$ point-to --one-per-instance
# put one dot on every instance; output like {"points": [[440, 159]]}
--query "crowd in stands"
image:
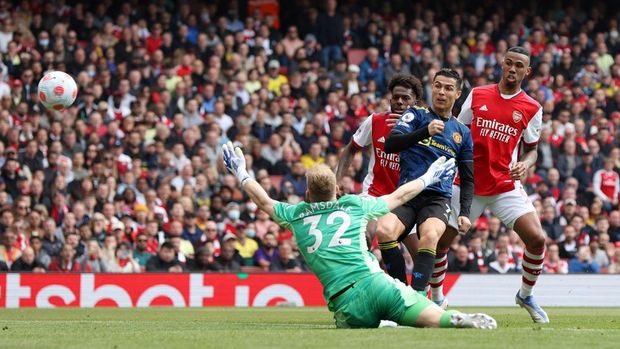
{"points": [[130, 178]]}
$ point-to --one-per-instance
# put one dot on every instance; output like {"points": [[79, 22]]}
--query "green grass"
{"points": [[586, 328]]}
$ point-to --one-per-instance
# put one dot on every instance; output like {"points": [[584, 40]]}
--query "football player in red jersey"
{"points": [[501, 116], [384, 169]]}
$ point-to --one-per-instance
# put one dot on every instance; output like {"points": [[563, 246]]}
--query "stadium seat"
{"points": [[276, 181], [356, 55]]}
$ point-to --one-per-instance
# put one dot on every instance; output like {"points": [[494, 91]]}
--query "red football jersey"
{"points": [[498, 123], [606, 182], [383, 169]]}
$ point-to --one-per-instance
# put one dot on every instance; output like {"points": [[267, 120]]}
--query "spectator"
{"points": [[500, 265], [124, 262], [285, 261], [291, 41], [267, 253], [184, 248], [314, 156], [330, 33], [584, 173], [568, 159], [226, 261], [273, 151], [9, 250], [27, 263], [164, 261], [297, 179], [40, 255], [204, 261], [583, 263], [372, 68], [479, 253], [263, 225], [246, 245], [614, 226], [66, 263], [191, 231], [553, 264], [141, 253], [569, 246], [599, 256], [93, 258], [551, 223], [460, 262], [614, 267], [275, 80], [606, 185]]}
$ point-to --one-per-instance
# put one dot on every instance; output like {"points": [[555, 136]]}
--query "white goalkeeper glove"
{"points": [[440, 170], [235, 162]]}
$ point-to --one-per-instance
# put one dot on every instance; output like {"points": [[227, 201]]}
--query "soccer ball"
{"points": [[57, 90]]}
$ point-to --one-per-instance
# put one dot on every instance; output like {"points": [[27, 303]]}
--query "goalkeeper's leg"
{"points": [[427, 314]]}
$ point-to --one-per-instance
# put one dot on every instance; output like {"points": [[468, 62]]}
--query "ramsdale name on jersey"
{"points": [[496, 130], [324, 205]]}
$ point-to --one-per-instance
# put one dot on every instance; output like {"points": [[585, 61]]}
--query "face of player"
{"points": [[402, 98], [445, 93], [515, 67]]}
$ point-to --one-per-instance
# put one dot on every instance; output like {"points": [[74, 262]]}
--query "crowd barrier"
{"points": [[257, 290]]}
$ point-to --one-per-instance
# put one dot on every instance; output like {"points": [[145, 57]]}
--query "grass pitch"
{"points": [[111, 328]]}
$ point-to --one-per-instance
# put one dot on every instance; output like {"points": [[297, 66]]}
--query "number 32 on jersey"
{"points": [[336, 217]]}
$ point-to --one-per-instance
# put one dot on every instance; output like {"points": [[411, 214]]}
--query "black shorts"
{"points": [[422, 207]]}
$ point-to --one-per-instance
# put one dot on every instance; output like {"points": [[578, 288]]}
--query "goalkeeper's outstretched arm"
{"points": [[440, 170], [259, 196], [235, 163]]}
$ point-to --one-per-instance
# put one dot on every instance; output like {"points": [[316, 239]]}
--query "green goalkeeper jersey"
{"points": [[332, 237]]}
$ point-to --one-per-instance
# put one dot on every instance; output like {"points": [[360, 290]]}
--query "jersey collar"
{"points": [[439, 116]]}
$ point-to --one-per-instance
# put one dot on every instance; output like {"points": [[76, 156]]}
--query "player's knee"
{"points": [[537, 241], [387, 231], [429, 238]]}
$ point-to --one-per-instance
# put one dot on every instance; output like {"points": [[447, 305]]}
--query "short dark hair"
{"points": [[167, 245], [406, 81], [520, 50], [450, 73]]}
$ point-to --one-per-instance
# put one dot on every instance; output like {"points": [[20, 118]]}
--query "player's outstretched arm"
{"points": [[440, 170], [346, 157], [235, 163]]}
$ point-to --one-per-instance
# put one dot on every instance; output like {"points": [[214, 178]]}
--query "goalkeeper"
{"points": [[331, 236]]}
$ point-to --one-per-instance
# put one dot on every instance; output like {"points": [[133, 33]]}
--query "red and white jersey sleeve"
{"points": [[531, 135], [466, 114], [498, 123], [363, 136]]}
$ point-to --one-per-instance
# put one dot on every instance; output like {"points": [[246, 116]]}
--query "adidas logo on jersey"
{"points": [[484, 108], [381, 140]]}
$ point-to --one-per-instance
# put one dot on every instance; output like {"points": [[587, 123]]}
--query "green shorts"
{"points": [[375, 298]]}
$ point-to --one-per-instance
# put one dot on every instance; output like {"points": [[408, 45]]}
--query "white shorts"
{"points": [[508, 206]]}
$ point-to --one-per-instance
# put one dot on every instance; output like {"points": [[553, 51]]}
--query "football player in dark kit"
{"points": [[422, 136]]}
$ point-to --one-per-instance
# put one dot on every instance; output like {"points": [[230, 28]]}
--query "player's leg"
{"points": [[516, 211], [441, 266], [434, 316], [433, 213], [443, 246], [478, 206], [397, 302], [389, 228], [412, 243], [371, 229], [430, 230]]}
